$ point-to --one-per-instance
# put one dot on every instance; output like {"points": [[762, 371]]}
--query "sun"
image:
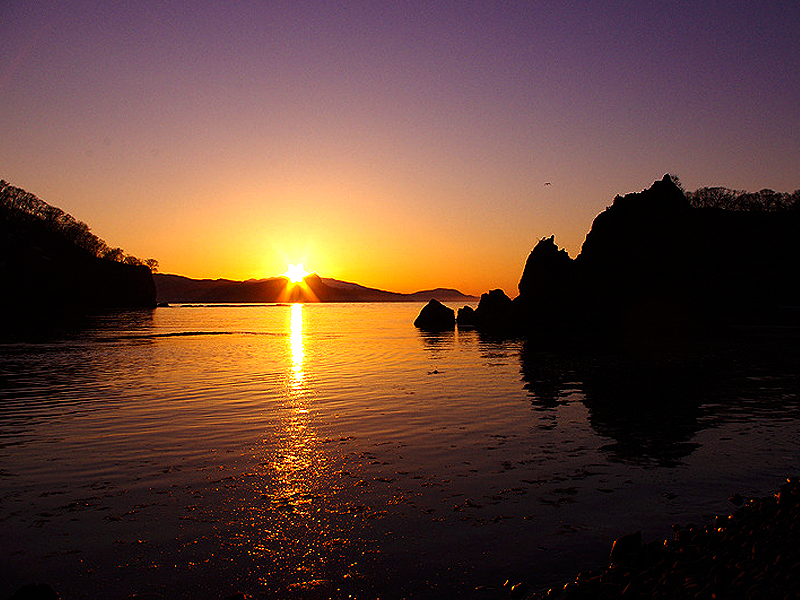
{"points": [[295, 273]]}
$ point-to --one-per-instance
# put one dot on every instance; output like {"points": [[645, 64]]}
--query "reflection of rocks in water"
{"points": [[651, 410], [652, 406], [548, 377], [648, 407], [437, 340]]}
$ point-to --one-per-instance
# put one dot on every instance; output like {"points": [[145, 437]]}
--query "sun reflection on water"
{"points": [[295, 512], [297, 464], [296, 345]]}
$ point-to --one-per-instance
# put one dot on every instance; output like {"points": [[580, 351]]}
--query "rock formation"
{"points": [[495, 311], [654, 267]]}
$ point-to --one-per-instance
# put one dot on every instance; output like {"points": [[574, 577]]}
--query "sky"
{"points": [[400, 145]]}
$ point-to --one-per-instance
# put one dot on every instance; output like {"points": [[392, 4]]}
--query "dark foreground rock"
{"points": [[35, 591], [752, 553], [435, 316]]}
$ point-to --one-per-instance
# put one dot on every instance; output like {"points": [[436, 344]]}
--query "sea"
{"points": [[336, 451]]}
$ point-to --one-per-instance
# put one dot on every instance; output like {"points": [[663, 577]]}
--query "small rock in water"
{"points": [[788, 494], [465, 317], [736, 499], [36, 591], [435, 316], [626, 547]]}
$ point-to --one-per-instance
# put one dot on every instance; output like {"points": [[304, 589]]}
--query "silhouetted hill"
{"points": [[657, 264], [367, 294], [179, 289], [51, 263]]}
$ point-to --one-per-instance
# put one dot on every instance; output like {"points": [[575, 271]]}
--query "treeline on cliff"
{"points": [[658, 264], [739, 200], [50, 259], [35, 218]]}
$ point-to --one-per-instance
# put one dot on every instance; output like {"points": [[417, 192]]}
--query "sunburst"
{"points": [[295, 273]]}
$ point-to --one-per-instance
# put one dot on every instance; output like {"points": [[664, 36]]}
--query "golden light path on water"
{"points": [[298, 465], [295, 526], [296, 345]]}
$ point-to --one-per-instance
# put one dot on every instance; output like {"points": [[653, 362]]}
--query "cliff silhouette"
{"points": [[179, 289], [658, 264], [51, 264]]}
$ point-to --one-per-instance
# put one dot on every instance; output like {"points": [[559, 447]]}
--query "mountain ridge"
{"points": [[179, 289]]}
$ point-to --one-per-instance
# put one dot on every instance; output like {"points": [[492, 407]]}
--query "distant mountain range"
{"points": [[178, 289]]}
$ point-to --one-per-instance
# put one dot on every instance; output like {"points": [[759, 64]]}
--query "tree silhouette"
{"points": [[20, 209], [724, 198]]}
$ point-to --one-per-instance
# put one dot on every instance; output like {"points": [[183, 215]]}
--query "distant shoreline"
{"points": [[177, 289]]}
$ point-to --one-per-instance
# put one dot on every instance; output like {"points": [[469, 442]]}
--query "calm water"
{"points": [[335, 451]]}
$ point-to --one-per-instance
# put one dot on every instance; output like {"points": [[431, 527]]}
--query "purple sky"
{"points": [[400, 145]]}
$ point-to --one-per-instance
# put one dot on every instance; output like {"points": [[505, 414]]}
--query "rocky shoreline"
{"points": [[752, 553]]}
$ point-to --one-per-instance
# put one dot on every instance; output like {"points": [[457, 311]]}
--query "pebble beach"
{"points": [[751, 553]]}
